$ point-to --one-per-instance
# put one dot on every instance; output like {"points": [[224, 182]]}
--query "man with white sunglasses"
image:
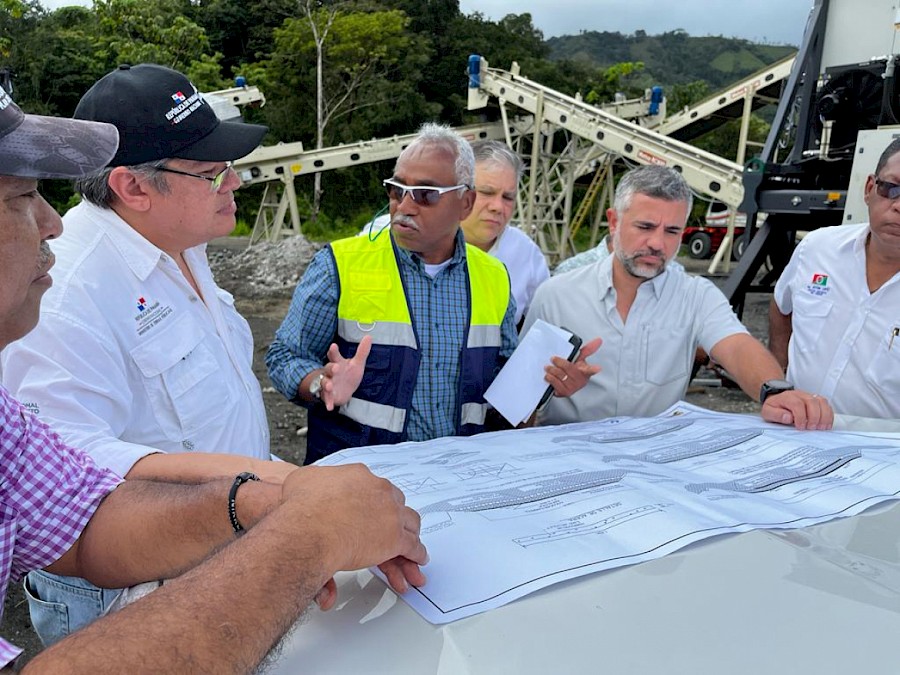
{"points": [[834, 320], [396, 337], [140, 358]]}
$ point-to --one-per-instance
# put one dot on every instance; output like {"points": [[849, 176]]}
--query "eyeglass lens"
{"points": [[425, 196], [887, 189]]}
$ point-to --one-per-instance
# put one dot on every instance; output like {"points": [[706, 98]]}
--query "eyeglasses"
{"points": [[426, 195], [216, 181], [887, 189]]}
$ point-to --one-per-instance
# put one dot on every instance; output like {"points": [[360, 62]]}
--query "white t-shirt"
{"points": [[646, 361], [127, 359], [845, 343]]}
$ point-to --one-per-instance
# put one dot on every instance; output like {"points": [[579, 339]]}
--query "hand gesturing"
{"points": [[342, 376]]}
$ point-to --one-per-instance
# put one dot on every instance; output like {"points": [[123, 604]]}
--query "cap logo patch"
{"points": [[184, 106]]}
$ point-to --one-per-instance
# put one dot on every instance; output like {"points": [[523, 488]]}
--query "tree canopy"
{"points": [[385, 66]]}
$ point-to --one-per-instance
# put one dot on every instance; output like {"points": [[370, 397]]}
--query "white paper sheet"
{"points": [[508, 513], [518, 387]]}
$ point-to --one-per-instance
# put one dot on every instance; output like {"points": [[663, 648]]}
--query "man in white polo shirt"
{"points": [[140, 359], [652, 317], [834, 320]]}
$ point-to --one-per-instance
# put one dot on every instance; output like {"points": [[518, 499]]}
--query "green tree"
{"points": [[366, 83], [134, 31], [241, 31]]}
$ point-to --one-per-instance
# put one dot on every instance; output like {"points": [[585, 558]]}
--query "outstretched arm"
{"points": [[751, 364], [222, 616], [780, 330], [200, 467], [144, 530]]}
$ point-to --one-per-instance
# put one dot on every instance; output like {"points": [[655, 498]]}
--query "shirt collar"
{"points": [[410, 258], [605, 275], [859, 242], [141, 256]]}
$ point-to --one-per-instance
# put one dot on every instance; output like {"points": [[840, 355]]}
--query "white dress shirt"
{"points": [[127, 360], [645, 361], [525, 263], [845, 343]]}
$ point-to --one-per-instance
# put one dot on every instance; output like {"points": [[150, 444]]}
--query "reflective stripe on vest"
{"points": [[474, 413], [375, 414]]}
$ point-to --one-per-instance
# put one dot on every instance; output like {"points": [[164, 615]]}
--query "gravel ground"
{"points": [[262, 279]]}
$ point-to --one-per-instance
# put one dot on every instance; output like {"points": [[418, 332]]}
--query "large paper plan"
{"points": [[508, 513]]}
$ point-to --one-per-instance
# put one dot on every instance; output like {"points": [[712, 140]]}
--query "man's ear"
{"points": [[867, 190], [612, 219], [468, 202], [130, 189]]}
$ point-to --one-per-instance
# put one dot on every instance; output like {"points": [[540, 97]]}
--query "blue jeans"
{"points": [[61, 605]]}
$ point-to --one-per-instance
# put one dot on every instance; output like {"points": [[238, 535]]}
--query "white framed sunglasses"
{"points": [[424, 195]]}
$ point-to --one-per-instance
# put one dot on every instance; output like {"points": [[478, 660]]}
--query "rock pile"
{"points": [[267, 269]]}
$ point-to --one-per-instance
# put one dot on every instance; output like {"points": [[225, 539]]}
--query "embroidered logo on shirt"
{"points": [[149, 314], [819, 285]]}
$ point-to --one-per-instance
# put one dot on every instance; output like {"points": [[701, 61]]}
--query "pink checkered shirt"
{"points": [[48, 492]]}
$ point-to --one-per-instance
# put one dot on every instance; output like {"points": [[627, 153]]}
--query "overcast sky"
{"points": [[774, 21]]}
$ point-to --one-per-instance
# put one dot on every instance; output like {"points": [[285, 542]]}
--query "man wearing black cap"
{"points": [[141, 359], [60, 511]]}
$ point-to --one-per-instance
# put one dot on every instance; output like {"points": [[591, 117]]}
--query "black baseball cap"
{"points": [[35, 146], [159, 113]]}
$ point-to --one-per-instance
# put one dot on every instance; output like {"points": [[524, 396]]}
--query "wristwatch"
{"points": [[315, 387], [772, 387]]}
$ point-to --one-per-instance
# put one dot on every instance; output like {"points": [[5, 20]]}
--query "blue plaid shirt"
{"points": [[439, 310]]}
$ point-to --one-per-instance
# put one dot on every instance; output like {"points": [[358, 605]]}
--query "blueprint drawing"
{"points": [[507, 513]]}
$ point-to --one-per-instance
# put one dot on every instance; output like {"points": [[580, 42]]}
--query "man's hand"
{"points": [[342, 376], [568, 377], [400, 572], [805, 411], [368, 523]]}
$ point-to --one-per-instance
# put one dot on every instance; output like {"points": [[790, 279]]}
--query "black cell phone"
{"points": [[575, 341]]}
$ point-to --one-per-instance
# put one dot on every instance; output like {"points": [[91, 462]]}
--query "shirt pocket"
{"points": [[237, 325], [667, 356], [808, 320], [180, 377], [884, 369]]}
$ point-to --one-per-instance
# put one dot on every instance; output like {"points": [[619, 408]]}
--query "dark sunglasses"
{"points": [[425, 195], [887, 189]]}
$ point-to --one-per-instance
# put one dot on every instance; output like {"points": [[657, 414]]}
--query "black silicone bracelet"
{"points": [[239, 480]]}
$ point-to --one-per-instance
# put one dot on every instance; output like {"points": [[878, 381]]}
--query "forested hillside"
{"points": [[672, 58]]}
